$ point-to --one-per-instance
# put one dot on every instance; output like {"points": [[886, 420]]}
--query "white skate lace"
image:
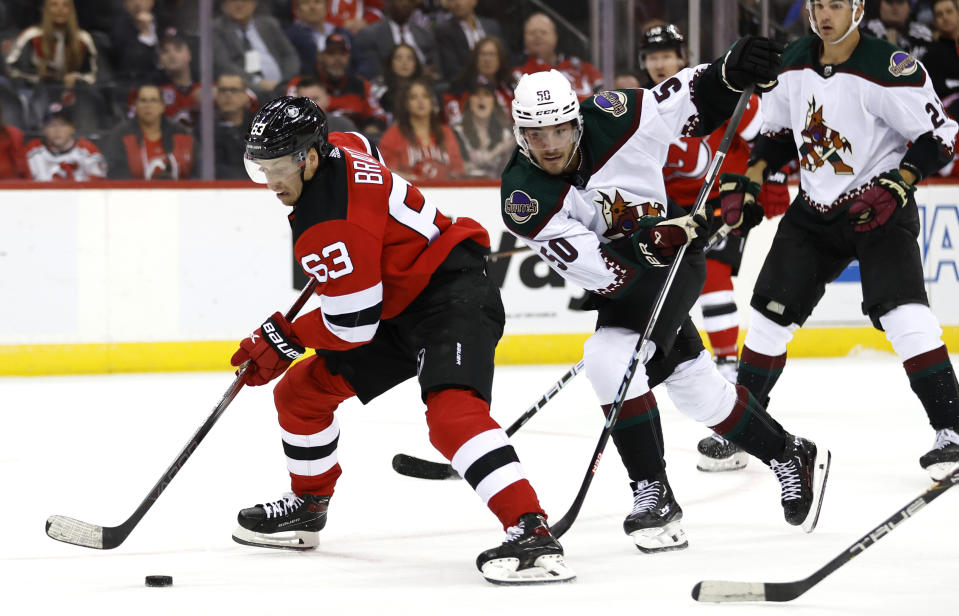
{"points": [[287, 503], [646, 496], [513, 533], [789, 479], [946, 437], [718, 439]]}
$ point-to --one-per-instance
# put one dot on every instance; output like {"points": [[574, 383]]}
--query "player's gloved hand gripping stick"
{"points": [[89, 535]]}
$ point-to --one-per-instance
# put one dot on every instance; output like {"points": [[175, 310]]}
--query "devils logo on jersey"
{"points": [[822, 144], [622, 217]]}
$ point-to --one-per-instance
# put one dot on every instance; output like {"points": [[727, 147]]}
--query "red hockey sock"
{"points": [[462, 430]]}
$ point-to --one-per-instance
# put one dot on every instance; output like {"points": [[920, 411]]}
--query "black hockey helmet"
{"points": [[664, 37], [286, 126]]}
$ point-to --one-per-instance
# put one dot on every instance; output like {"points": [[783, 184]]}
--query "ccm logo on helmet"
{"points": [[278, 343]]}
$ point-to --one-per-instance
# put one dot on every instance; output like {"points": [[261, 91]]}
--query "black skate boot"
{"points": [[943, 458], [530, 555], [802, 471], [654, 522], [718, 454], [292, 523]]}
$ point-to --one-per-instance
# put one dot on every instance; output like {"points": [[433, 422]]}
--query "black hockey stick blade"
{"points": [[719, 591], [419, 468], [76, 532]]}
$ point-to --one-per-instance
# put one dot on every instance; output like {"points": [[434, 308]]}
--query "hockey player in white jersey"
{"points": [[867, 125], [585, 190]]}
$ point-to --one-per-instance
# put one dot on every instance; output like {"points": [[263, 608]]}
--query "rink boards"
{"points": [[139, 278]]}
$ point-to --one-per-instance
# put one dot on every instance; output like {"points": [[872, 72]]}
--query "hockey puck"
{"points": [[159, 580]]}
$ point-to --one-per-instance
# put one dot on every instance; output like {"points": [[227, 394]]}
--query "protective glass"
{"points": [[263, 171]]}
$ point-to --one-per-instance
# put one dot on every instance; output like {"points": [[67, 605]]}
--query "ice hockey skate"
{"points": [[291, 523], [717, 454], [728, 367], [529, 555], [654, 523], [943, 458], [802, 473]]}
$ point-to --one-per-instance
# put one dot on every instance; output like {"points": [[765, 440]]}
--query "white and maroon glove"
{"points": [[270, 350], [737, 200], [875, 206]]}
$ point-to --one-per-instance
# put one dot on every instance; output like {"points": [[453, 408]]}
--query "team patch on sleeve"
{"points": [[902, 63], [520, 206], [611, 102]]}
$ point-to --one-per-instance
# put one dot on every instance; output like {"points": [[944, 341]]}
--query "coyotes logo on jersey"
{"points": [[822, 144], [622, 217]]}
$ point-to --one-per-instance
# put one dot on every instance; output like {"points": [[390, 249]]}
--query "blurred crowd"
{"points": [[93, 89]]}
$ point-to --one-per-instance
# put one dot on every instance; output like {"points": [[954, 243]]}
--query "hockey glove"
{"points": [[270, 351], [737, 199], [655, 244], [774, 195], [875, 206], [752, 59]]}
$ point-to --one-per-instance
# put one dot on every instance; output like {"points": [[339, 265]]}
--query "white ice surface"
{"points": [[91, 447]]}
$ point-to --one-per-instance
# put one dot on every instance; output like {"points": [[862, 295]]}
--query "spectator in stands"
{"points": [[350, 94], [540, 41], [309, 32], [150, 147], [254, 46], [354, 15], [58, 60], [232, 123], [312, 89], [60, 155], [419, 146], [180, 92], [485, 133], [897, 26], [625, 81], [13, 161], [134, 37], [375, 42], [402, 67], [459, 35], [487, 61], [942, 59]]}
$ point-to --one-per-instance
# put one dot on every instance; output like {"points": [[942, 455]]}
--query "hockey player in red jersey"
{"points": [[662, 54], [403, 292]]}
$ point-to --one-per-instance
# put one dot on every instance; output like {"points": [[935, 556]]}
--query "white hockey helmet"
{"points": [[544, 99], [856, 6]]}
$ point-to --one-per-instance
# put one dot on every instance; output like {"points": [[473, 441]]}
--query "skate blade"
{"points": [[941, 470], [734, 462], [549, 569], [821, 473], [661, 539], [292, 540]]}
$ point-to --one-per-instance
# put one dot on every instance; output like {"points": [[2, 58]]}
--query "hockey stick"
{"points": [[508, 253], [89, 535], [419, 468], [718, 591], [559, 528]]}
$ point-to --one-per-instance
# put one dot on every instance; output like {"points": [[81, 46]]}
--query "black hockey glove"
{"points": [[752, 59], [655, 243], [737, 199], [876, 206]]}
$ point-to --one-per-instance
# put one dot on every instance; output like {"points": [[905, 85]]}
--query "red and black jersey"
{"points": [[371, 240], [689, 158]]}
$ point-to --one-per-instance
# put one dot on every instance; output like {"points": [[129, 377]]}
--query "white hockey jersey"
{"points": [[627, 135], [80, 162], [852, 121]]}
